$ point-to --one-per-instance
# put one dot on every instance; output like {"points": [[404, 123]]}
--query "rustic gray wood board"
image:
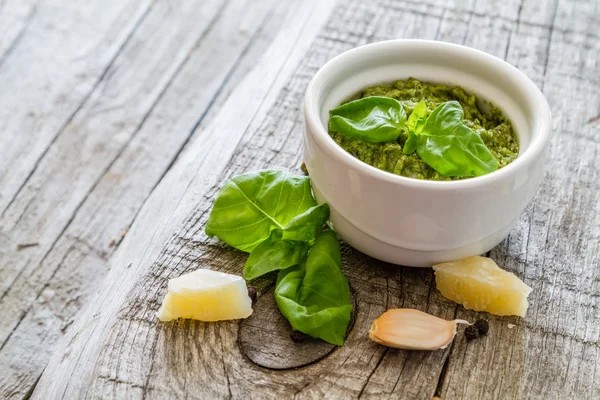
{"points": [[554, 352], [53, 63], [117, 349], [42, 303], [196, 169], [15, 16]]}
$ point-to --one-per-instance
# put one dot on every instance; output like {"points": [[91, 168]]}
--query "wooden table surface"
{"points": [[120, 119]]}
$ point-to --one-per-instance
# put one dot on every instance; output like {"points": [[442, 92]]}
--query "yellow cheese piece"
{"points": [[206, 295], [479, 284]]}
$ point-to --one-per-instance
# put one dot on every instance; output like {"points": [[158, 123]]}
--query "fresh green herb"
{"points": [[273, 215], [417, 118], [315, 296], [411, 144], [284, 249], [250, 206], [372, 119], [306, 226], [414, 125], [274, 254], [450, 147]]}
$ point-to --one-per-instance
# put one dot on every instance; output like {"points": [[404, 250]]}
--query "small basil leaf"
{"points": [[274, 254], [414, 124], [372, 119], [307, 226], [251, 205], [417, 119], [411, 144], [315, 296], [450, 147]]}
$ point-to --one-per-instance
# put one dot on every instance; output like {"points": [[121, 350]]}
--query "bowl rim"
{"points": [[537, 144]]}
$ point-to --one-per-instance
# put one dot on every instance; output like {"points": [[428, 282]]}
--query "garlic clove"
{"points": [[407, 328]]}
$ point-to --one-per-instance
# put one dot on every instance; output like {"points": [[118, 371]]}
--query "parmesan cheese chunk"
{"points": [[206, 295]]}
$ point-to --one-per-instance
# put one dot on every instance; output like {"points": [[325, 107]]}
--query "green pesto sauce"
{"points": [[494, 129]]}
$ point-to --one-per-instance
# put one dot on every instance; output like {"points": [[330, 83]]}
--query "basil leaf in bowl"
{"points": [[372, 119], [415, 124], [418, 118], [452, 148]]}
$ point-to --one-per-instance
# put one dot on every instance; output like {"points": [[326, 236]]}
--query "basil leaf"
{"points": [[372, 119], [274, 254], [417, 119], [284, 249], [251, 205], [450, 147], [411, 144], [315, 296], [307, 226], [414, 124]]}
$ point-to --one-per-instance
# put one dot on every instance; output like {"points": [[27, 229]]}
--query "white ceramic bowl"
{"points": [[409, 221]]}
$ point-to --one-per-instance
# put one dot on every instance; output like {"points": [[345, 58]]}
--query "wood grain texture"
{"points": [[268, 340], [15, 16], [41, 304], [264, 338], [116, 348], [56, 60], [195, 172], [555, 351]]}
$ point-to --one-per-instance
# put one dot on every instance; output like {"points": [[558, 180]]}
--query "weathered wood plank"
{"points": [[554, 352], [197, 170], [15, 16], [264, 337], [52, 68], [82, 152], [118, 349], [76, 263]]}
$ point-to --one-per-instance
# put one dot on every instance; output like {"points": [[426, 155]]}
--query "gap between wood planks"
{"points": [[238, 66], [23, 20], [81, 105], [250, 81], [46, 143], [130, 34], [110, 164], [18, 36]]}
